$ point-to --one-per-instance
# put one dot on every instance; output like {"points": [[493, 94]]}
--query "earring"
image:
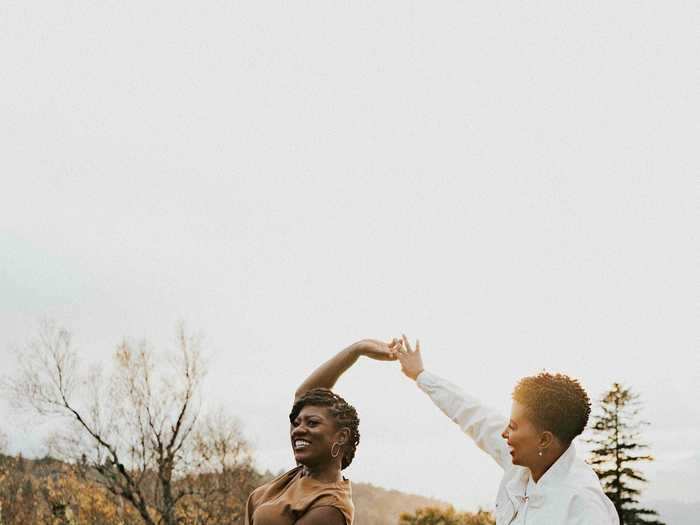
{"points": [[540, 453], [333, 447]]}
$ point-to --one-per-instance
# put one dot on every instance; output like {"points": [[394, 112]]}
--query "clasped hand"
{"points": [[397, 349]]}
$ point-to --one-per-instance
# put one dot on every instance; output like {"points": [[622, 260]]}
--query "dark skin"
{"points": [[526, 441], [524, 438], [317, 427], [326, 375], [322, 516]]}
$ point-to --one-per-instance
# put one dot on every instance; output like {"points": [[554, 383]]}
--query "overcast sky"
{"points": [[513, 183]]}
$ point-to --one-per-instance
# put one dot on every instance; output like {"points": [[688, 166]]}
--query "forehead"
{"points": [[518, 412], [311, 410]]}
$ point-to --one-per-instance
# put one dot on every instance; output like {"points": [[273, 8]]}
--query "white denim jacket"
{"points": [[569, 493]]}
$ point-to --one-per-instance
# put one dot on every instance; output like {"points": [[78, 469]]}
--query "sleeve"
{"points": [[250, 508], [480, 423], [248, 511]]}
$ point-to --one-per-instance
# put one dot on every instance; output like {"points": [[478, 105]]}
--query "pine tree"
{"points": [[617, 448]]}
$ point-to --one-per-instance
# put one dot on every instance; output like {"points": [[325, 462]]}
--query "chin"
{"points": [[515, 461], [307, 461]]}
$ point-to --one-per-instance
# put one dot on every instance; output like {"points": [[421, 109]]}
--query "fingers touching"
{"points": [[411, 361], [407, 344]]}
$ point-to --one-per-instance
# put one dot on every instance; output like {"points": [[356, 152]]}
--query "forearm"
{"points": [[326, 375]]}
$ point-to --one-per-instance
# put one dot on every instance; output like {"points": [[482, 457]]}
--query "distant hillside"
{"points": [[378, 506]]}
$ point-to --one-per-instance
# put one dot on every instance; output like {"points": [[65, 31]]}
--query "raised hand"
{"points": [[328, 373], [411, 360], [379, 350]]}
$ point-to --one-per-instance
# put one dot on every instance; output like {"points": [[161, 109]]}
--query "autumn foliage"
{"points": [[446, 516], [50, 492]]}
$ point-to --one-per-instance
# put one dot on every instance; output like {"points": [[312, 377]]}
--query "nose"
{"points": [[504, 434], [298, 431]]}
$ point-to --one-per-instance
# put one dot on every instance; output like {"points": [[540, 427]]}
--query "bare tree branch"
{"points": [[138, 430]]}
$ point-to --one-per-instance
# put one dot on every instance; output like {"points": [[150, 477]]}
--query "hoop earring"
{"points": [[337, 452]]}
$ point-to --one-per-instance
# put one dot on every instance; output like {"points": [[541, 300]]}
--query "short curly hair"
{"points": [[554, 402], [344, 414]]}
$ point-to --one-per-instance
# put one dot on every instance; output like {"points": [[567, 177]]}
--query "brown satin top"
{"points": [[288, 497]]}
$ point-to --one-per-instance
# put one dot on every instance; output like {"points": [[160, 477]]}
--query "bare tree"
{"points": [[220, 476], [137, 431]]}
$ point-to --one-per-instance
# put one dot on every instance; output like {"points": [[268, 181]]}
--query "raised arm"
{"points": [[480, 423], [326, 375]]}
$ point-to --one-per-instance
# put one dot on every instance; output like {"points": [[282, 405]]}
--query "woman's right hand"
{"points": [[379, 350], [411, 360]]}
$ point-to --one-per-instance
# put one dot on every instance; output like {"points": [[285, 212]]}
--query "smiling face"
{"points": [[524, 439], [313, 432]]}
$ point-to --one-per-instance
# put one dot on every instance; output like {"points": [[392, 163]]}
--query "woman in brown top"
{"points": [[324, 435]]}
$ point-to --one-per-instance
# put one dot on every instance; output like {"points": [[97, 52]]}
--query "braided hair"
{"points": [[344, 414], [555, 402]]}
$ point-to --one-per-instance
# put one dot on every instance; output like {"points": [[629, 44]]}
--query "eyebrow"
{"points": [[309, 416]]}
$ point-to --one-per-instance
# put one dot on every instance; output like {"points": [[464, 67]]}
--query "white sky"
{"points": [[513, 183]]}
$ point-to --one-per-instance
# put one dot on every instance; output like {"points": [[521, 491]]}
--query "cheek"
{"points": [[323, 435], [519, 437], [528, 440]]}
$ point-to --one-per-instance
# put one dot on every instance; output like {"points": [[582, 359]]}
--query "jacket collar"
{"points": [[559, 470], [516, 487]]}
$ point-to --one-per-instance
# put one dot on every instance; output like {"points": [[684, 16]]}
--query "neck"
{"points": [[544, 464], [326, 473], [538, 471]]}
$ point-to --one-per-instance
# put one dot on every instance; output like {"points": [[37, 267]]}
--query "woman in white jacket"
{"points": [[544, 482]]}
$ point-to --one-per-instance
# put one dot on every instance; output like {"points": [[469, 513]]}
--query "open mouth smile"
{"points": [[300, 444]]}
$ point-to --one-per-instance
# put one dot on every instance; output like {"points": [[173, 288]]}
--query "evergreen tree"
{"points": [[617, 448]]}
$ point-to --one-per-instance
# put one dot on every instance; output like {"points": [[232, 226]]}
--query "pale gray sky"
{"points": [[513, 183]]}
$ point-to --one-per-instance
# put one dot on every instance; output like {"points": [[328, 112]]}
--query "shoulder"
{"points": [[586, 501], [590, 505], [324, 515], [582, 480], [582, 485], [276, 483], [285, 477], [591, 508], [337, 496]]}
